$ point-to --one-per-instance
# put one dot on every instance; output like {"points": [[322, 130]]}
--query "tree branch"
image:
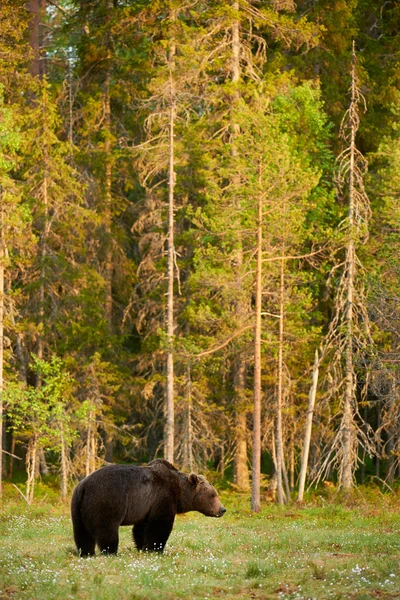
{"points": [[63, 10], [212, 350]]}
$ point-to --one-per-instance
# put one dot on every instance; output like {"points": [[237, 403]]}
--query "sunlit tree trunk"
{"points": [[279, 403], [307, 435], [31, 458], [37, 8], [42, 290], [349, 331], [38, 68], [41, 465], [241, 470], [12, 456], [349, 434], [108, 267], [188, 442], [170, 407], [256, 472], [2, 258], [64, 465], [292, 456], [91, 443]]}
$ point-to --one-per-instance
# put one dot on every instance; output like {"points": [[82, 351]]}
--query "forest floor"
{"points": [[324, 550]]}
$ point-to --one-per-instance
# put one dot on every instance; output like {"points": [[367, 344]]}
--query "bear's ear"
{"points": [[193, 479]]}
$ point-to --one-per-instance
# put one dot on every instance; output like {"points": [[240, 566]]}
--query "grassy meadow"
{"points": [[327, 549]]}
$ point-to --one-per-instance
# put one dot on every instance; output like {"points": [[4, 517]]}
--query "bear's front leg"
{"points": [[138, 534], [157, 530]]}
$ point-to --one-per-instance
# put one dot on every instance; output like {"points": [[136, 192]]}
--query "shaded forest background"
{"points": [[169, 171]]}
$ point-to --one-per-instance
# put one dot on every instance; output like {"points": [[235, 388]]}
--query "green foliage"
{"points": [[83, 170], [43, 411], [9, 137]]}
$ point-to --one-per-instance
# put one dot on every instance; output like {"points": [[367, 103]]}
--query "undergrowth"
{"points": [[329, 548]]}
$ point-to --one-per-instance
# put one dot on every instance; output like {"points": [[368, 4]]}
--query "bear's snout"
{"points": [[221, 512]]}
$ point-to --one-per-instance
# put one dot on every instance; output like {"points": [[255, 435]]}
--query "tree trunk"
{"points": [[170, 408], [279, 432], [42, 290], [241, 469], [37, 8], [378, 426], [307, 434], [64, 466], [292, 457], [349, 441], [347, 425], [12, 454], [2, 258], [90, 445], [108, 267], [285, 475], [222, 460], [256, 473], [44, 469], [31, 459], [188, 441]]}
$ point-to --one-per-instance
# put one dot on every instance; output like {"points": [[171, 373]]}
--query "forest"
{"points": [[199, 243]]}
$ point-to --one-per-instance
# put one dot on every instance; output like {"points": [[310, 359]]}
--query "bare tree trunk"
{"points": [[108, 276], [256, 472], [41, 465], [37, 8], [279, 432], [378, 426], [31, 458], [285, 475], [188, 441], [170, 407], [12, 454], [307, 434], [2, 258], [64, 466], [349, 331], [292, 457], [347, 425], [42, 292], [222, 460], [44, 469], [241, 469], [93, 448], [70, 107], [90, 445]]}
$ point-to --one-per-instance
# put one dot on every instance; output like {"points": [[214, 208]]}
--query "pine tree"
{"points": [[9, 141]]}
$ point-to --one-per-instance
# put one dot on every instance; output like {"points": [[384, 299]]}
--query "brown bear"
{"points": [[146, 497]]}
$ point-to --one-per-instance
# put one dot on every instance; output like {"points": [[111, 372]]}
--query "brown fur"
{"points": [[146, 497]]}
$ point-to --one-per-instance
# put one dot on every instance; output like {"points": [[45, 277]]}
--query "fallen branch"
{"points": [[22, 494]]}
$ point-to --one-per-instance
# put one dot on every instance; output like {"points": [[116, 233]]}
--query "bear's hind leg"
{"points": [[108, 540], [87, 548], [85, 542]]}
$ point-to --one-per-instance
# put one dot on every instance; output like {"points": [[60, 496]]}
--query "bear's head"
{"points": [[205, 497]]}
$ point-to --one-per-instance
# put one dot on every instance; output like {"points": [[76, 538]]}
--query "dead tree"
{"points": [[349, 332]]}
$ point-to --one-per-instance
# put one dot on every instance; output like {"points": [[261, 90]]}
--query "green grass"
{"points": [[322, 551]]}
